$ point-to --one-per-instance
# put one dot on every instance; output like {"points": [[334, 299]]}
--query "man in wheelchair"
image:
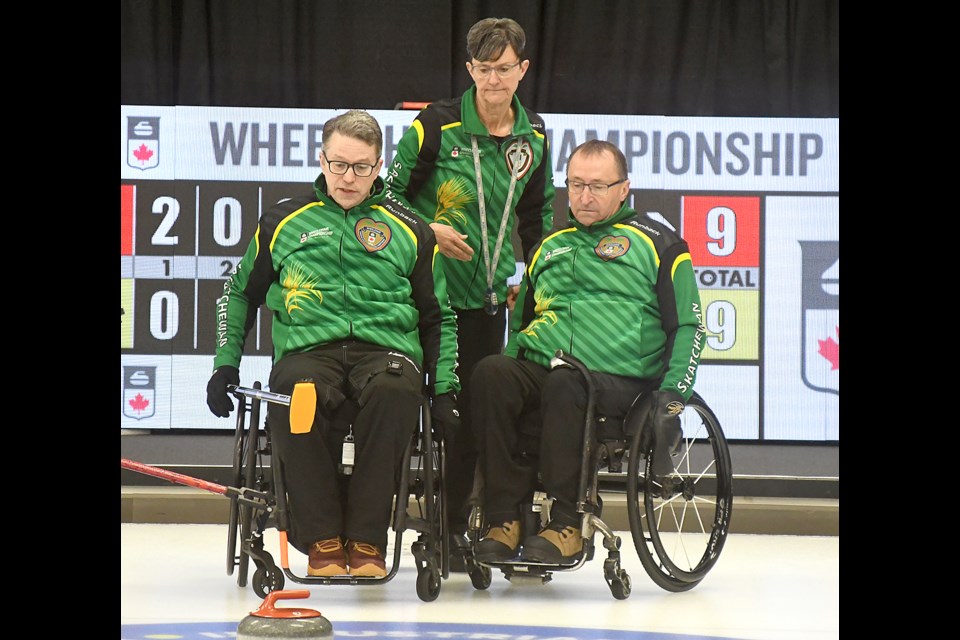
{"points": [[617, 290], [358, 308]]}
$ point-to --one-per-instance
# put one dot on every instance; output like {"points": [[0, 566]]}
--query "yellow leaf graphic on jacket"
{"points": [[542, 309], [298, 286], [452, 196]]}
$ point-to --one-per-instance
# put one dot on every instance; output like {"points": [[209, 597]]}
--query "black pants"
{"points": [[516, 398], [479, 335], [387, 411]]}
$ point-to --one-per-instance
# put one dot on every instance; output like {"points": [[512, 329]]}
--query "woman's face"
{"points": [[497, 80]]}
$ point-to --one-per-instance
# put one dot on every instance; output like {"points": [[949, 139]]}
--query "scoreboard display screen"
{"points": [[757, 200]]}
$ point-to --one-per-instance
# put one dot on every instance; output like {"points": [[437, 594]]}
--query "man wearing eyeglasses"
{"points": [[359, 307], [478, 169], [616, 289]]}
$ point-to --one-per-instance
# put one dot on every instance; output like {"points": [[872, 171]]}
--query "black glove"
{"points": [[446, 416], [667, 432], [217, 397]]}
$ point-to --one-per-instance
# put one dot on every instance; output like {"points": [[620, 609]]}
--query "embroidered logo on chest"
{"points": [[519, 154], [612, 247], [549, 255], [316, 233], [373, 235]]}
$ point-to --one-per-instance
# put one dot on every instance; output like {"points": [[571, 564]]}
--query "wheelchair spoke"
{"points": [[688, 531]]}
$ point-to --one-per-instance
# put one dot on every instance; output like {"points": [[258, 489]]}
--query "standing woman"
{"points": [[477, 167]]}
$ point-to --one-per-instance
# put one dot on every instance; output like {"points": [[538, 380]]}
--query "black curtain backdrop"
{"points": [[755, 58]]}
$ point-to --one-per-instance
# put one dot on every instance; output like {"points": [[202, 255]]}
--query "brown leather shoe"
{"points": [[327, 558], [366, 560], [500, 543], [555, 544]]}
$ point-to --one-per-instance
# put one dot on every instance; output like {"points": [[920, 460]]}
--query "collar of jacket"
{"points": [[622, 213], [376, 195], [473, 125]]}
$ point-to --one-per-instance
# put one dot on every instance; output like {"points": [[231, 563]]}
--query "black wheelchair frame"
{"points": [[263, 505], [678, 523]]}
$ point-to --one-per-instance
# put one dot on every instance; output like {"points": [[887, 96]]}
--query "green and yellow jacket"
{"points": [[620, 295], [434, 172], [370, 274]]}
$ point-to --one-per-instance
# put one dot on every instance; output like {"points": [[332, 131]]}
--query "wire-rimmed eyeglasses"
{"points": [[504, 70]]}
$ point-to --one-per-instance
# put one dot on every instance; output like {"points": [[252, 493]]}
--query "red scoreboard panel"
{"points": [[723, 233]]}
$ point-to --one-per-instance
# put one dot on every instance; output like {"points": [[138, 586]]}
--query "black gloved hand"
{"points": [[446, 416], [217, 397], [667, 432]]}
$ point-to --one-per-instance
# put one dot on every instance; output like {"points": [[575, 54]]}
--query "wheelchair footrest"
{"points": [[535, 575]]}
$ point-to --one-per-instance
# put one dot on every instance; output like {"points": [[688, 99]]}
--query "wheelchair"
{"points": [[419, 500], [678, 522]]}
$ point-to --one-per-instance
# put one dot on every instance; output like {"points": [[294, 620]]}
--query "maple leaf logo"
{"points": [[142, 153], [139, 403], [831, 350]]}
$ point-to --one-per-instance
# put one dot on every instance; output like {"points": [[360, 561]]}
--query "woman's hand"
{"points": [[451, 243]]}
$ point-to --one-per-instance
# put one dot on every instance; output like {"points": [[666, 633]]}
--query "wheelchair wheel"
{"points": [[480, 576], [267, 580], [428, 584], [241, 518], [233, 523], [620, 588], [431, 550], [680, 523], [434, 461]]}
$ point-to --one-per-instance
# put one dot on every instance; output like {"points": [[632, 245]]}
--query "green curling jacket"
{"points": [[434, 172], [620, 295], [369, 274]]}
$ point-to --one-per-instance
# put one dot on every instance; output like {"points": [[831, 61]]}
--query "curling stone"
{"points": [[270, 621]]}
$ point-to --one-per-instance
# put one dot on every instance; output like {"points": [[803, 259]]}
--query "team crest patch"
{"points": [[373, 235], [519, 154], [611, 247]]}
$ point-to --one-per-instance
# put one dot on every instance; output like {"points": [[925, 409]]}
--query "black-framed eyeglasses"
{"points": [[598, 189], [360, 169], [504, 70]]}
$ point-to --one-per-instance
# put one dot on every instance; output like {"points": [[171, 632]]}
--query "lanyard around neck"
{"points": [[491, 266]]}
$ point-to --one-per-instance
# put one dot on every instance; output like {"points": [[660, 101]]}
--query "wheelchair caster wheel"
{"points": [[266, 581], [428, 585], [620, 586], [480, 576]]}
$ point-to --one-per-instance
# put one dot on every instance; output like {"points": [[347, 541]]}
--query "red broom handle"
{"points": [[172, 476]]}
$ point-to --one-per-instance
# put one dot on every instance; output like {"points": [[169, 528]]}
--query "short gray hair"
{"points": [[357, 124], [488, 39]]}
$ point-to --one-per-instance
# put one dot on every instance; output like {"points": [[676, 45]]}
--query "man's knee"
{"points": [[392, 384], [491, 370], [564, 383], [393, 390]]}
